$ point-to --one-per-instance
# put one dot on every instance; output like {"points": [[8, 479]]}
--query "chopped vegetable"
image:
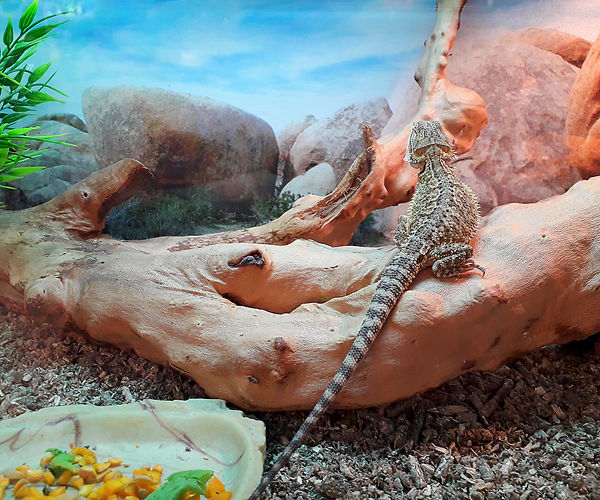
{"points": [[216, 489], [78, 474], [61, 461], [3, 484], [179, 483]]}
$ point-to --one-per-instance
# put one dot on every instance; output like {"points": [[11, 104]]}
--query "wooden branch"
{"points": [[266, 326]]}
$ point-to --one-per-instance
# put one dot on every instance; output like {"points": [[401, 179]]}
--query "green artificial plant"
{"points": [[21, 90]]}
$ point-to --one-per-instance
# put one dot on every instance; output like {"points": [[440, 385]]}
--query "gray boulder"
{"points": [[184, 139], [285, 141], [65, 165], [337, 140], [317, 180], [68, 118], [41, 186]]}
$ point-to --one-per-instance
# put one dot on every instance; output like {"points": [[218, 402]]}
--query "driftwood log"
{"points": [[263, 318]]}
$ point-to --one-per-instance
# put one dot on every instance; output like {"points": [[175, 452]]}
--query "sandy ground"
{"points": [[529, 430]]}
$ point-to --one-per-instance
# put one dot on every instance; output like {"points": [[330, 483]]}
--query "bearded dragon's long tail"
{"points": [[396, 278]]}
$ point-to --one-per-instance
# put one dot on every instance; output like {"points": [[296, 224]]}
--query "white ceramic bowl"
{"points": [[178, 435]]}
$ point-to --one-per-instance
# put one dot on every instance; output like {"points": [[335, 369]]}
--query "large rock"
{"points": [[583, 118], [184, 140], [522, 154], [337, 140], [285, 141], [68, 118], [65, 165], [319, 180], [571, 48]]}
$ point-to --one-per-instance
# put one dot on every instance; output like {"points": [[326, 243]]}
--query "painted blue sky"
{"points": [[277, 59]]}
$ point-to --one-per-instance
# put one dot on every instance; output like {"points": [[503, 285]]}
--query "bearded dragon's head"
{"points": [[423, 135]]}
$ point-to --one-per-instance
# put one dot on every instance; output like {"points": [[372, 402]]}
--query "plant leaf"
{"points": [[3, 156], [8, 33], [13, 80], [8, 178], [36, 33], [37, 73], [28, 15], [53, 15], [21, 131], [20, 171], [37, 97], [46, 86], [12, 118]]}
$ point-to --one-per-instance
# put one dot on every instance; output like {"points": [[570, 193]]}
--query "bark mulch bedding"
{"points": [[529, 430]]}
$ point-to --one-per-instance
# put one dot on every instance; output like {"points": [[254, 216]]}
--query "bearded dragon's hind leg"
{"points": [[453, 259]]}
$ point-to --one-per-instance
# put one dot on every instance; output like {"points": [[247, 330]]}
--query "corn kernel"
{"points": [[147, 479], [225, 495], [76, 482], [153, 475], [21, 488], [13, 475], [88, 474], [86, 489], [215, 489], [131, 490], [85, 456], [3, 484], [22, 468], [112, 486], [107, 476], [214, 486], [45, 460], [65, 477], [114, 462], [101, 466], [34, 475], [66, 496], [48, 478], [34, 492], [58, 491], [81, 450]]}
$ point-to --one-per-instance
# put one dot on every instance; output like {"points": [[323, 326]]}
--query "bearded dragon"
{"points": [[441, 221]]}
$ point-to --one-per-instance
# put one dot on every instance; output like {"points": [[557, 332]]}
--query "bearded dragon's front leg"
{"points": [[453, 259]]}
